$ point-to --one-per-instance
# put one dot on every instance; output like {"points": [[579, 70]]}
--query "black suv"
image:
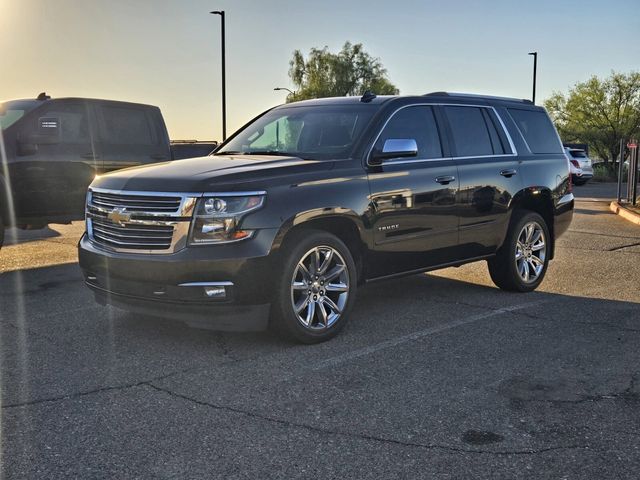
{"points": [[311, 200]]}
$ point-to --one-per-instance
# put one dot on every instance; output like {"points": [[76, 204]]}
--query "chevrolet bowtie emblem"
{"points": [[119, 216]]}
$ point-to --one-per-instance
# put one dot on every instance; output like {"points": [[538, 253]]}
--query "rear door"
{"points": [[489, 176], [414, 219], [129, 137]]}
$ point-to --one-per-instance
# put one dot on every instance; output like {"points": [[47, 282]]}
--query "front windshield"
{"points": [[309, 132], [11, 112]]}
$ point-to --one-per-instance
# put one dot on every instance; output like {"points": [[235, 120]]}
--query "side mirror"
{"points": [[394, 148]]}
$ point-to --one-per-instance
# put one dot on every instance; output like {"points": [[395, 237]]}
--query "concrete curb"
{"points": [[625, 213]]}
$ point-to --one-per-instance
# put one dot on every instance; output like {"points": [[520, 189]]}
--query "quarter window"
{"points": [[537, 130], [416, 123]]}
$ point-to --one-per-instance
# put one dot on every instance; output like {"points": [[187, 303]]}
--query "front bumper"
{"points": [[170, 285]]}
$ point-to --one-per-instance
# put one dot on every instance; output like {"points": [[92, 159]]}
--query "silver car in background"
{"points": [[580, 166]]}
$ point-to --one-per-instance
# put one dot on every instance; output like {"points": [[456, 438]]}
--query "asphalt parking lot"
{"points": [[437, 376]]}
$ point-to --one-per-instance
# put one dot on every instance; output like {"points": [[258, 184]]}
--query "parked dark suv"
{"points": [[313, 199]]}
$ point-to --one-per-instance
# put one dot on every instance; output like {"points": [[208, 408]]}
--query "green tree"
{"points": [[599, 112], [352, 71]]}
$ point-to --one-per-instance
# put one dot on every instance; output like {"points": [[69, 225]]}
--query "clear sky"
{"points": [[167, 52]]}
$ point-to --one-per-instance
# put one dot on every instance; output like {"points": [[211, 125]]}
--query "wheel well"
{"points": [[343, 228], [540, 202]]}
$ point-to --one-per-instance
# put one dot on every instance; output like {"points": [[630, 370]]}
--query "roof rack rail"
{"points": [[475, 95]]}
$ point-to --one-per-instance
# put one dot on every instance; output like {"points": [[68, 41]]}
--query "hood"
{"points": [[207, 174]]}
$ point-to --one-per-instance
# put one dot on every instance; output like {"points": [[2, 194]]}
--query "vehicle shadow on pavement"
{"points": [[56, 297], [15, 236]]}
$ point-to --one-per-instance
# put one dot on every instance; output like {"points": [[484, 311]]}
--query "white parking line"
{"points": [[331, 362]]}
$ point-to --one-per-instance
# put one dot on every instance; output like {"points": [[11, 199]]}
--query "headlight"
{"points": [[216, 219]]}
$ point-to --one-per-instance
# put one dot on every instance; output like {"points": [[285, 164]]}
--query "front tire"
{"points": [[521, 263], [316, 287]]}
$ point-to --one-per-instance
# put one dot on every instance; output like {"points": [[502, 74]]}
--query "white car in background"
{"points": [[580, 166]]}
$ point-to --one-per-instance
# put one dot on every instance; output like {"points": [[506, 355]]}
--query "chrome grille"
{"points": [[144, 203], [151, 237], [139, 222]]}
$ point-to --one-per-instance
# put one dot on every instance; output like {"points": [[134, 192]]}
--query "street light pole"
{"points": [[293, 94], [535, 67], [224, 83]]}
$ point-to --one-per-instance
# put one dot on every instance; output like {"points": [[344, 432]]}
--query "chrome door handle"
{"points": [[508, 173], [445, 179]]}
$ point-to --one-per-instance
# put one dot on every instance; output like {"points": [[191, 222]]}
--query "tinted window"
{"points": [[126, 126], [469, 130], [496, 143], [577, 154], [537, 130], [73, 122], [417, 123]]}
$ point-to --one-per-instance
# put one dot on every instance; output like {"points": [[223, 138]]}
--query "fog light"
{"points": [[215, 292]]}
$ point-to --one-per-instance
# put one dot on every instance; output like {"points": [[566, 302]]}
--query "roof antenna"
{"points": [[43, 96], [368, 96]]}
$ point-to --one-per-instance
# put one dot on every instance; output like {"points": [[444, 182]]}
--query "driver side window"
{"points": [[417, 123]]}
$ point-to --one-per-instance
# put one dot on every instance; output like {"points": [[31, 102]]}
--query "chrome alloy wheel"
{"points": [[531, 251], [320, 288]]}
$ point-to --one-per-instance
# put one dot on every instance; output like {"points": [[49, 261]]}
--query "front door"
{"points": [[413, 210]]}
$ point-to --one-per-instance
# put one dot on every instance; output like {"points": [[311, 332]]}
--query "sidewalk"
{"points": [[607, 192]]}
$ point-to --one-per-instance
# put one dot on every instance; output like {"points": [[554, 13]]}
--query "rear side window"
{"points": [[416, 123], [537, 130], [126, 126], [470, 132]]}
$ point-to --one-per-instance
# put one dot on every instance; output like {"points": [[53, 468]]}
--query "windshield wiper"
{"points": [[230, 152], [257, 152], [270, 152]]}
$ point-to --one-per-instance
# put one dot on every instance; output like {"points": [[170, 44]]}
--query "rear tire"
{"points": [[316, 287], [522, 261]]}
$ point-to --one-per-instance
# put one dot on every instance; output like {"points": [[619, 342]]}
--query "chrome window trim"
{"points": [[402, 162], [419, 160]]}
